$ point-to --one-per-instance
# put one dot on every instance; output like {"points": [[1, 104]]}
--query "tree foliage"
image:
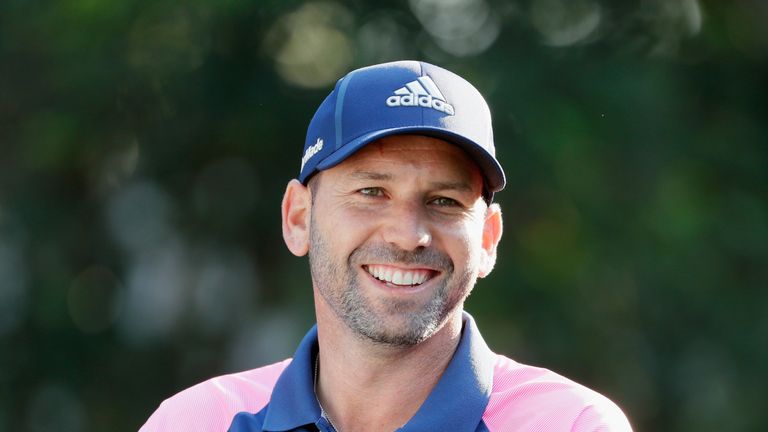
{"points": [[146, 144]]}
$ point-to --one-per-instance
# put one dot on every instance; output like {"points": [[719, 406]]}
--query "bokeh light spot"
{"points": [[138, 216], [225, 284], [563, 23], [458, 27], [310, 46], [383, 38], [268, 339], [155, 294], [115, 168]]}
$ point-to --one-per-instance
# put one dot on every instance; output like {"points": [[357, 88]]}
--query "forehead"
{"points": [[414, 151]]}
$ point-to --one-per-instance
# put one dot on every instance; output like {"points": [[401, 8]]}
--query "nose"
{"points": [[406, 227]]}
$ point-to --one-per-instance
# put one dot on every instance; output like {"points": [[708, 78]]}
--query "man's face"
{"points": [[396, 237]]}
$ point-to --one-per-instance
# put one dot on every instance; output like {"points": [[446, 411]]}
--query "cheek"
{"points": [[342, 233], [465, 245]]}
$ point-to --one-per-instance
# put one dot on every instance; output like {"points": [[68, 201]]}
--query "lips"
{"points": [[399, 276]]}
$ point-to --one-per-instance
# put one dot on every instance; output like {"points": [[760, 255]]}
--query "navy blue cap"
{"points": [[403, 97]]}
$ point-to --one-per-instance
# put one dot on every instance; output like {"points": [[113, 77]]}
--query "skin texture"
{"points": [[403, 203], [393, 320]]}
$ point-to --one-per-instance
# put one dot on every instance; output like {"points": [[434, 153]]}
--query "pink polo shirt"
{"points": [[479, 391]]}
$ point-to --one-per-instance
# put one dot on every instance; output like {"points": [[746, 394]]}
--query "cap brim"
{"points": [[494, 175]]}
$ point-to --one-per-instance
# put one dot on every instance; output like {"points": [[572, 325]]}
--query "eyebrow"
{"points": [[370, 175], [457, 186], [460, 186]]}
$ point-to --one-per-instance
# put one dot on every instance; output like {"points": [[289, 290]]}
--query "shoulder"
{"points": [[212, 404], [530, 398]]}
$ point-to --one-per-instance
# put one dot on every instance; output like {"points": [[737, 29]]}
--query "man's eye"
{"points": [[445, 202], [372, 191]]}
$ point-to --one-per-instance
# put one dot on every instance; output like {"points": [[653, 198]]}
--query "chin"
{"points": [[403, 331]]}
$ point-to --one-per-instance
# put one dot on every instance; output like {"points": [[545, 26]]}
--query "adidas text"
{"points": [[425, 101], [311, 151]]}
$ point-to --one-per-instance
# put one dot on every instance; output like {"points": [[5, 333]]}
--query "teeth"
{"points": [[419, 279], [386, 275], [408, 278], [398, 276]]}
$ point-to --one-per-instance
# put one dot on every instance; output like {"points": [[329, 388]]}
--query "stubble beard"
{"points": [[399, 323]]}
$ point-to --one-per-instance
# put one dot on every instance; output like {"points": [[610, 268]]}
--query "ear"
{"points": [[491, 235], [296, 208]]}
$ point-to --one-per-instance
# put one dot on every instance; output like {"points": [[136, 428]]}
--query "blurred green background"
{"points": [[145, 145]]}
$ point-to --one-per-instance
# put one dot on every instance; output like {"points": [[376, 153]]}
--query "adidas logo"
{"points": [[422, 92]]}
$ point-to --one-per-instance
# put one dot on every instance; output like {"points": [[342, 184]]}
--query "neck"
{"points": [[356, 374]]}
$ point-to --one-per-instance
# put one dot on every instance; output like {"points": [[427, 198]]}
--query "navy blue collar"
{"points": [[456, 403]]}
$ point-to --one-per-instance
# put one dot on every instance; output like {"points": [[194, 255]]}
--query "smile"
{"points": [[399, 276]]}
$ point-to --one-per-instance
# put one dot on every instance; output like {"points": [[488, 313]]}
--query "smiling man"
{"points": [[393, 205]]}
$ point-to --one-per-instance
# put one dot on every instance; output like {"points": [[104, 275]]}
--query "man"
{"points": [[393, 205]]}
